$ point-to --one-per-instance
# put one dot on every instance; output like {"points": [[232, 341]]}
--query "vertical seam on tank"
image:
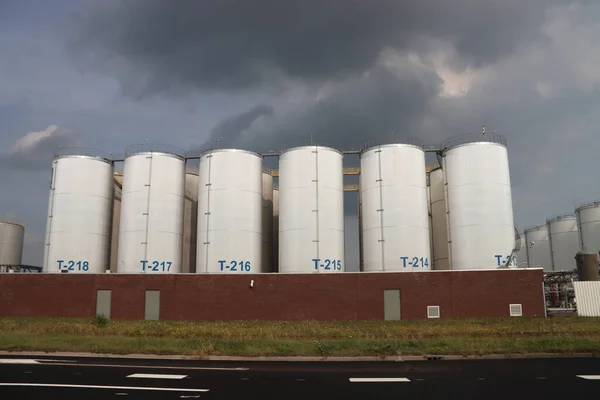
{"points": [[207, 241], [148, 207], [316, 152], [579, 231], [551, 249], [447, 212], [382, 239], [49, 238]]}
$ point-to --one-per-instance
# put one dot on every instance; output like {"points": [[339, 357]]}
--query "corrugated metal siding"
{"points": [[587, 295]]}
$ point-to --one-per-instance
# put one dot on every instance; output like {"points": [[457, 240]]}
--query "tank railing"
{"points": [[208, 146], [10, 221], [595, 203], [393, 139], [306, 140], [153, 148], [67, 151], [534, 228], [559, 217], [473, 138]]}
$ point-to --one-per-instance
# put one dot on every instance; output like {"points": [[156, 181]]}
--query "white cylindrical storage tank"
{"points": [[152, 207], [537, 243], [230, 212], [11, 243], [564, 242], [479, 202], [361, 252], [275, 247], [267, 222], [522, 252], [116, 218], [439, 224], [588, 223], [78, 229], [311, 210], [395, 215], [190, 221]]}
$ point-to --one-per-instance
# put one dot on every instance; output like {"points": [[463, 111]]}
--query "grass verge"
{"points": [[259, 338]]}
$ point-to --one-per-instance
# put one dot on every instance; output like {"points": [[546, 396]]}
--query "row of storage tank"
{"points": [[12, 235], [553, 245], [226, 217]]}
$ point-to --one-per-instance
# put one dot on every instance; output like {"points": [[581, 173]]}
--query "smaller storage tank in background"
{"points": [[11, 243], [116, 218], [537, 243], [190, 221], [267, 222], [275, 248], [230, 204], [439, 220], [564, 242], [588, 223], [522, 252], [152, 208]]}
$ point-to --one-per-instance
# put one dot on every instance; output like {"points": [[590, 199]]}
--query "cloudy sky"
{"points": [[263, 74]]}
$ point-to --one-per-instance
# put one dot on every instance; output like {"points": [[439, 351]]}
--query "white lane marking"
{"points": [[17, 361], [148, 367], [121, 394], [188, 397], [591, 377], [360, 380], [156, 376], [62, 385], [53, 361]]}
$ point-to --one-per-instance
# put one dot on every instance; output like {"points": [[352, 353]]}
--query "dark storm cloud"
{"points": [[381, 105], [231, 128], [156, 46]]}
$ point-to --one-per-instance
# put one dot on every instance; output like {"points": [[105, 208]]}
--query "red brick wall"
{"points": [[350, 296]]}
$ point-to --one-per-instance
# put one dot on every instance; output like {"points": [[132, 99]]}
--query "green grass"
{"points": [[308, 338]]}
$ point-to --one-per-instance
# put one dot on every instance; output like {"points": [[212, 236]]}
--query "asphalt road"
{"points": [[104, 378]]}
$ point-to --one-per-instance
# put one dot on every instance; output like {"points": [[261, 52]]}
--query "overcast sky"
{"points": [[106, 74]]}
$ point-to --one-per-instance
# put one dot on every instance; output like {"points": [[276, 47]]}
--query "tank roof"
{"points": [[560, 217], [311, 147], [535, 228], [471, 139], [592, 204], [154, 148], [7, 222], [380, 146], [82, 152], [229, 151]]}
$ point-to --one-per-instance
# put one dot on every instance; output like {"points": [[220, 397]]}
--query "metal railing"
{"points": [[153, 148], [393, 139], [69, 151], [473, 138], [559, 217], [589, 204]]}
